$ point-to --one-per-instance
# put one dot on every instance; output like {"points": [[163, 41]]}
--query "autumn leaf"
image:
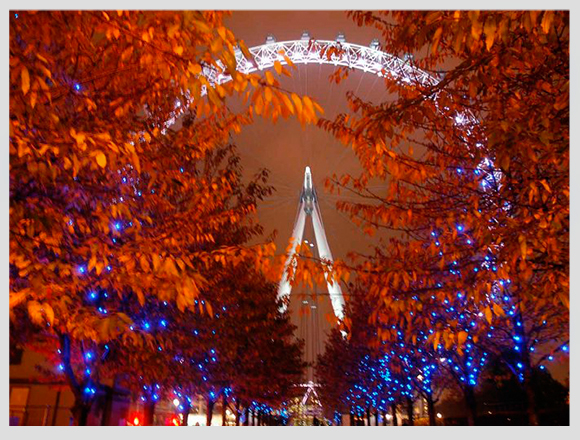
{"points": [[488, 314], [498, 310], [547, 21], [489, 29], [25, 80], [278, 67], [461, 338], [297, 102], [101, 159], [523, 246], [144, 263], [436, 39]]}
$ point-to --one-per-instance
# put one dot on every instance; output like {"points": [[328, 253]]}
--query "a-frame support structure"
{"points": [[308, 208]]}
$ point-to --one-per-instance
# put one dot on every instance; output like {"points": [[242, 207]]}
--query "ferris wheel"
{"points": [[315, 309]]}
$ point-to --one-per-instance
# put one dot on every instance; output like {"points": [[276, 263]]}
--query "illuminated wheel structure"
{"points": [[338, 53]]}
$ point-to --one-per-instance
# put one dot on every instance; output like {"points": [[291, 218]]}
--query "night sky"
{"points": [[286, 148]]}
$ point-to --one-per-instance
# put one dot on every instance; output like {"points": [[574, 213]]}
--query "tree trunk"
{"points": [[351, 419], [410, 414], [259, 418], [471, 405], [186, 409], [81, 407], [247, 419], [431, 410], [107, 407], [530, 399], [80, 413], [149, 413], [237, 413], [384, 418], [224, 408], [394, 412], [209, 411]]}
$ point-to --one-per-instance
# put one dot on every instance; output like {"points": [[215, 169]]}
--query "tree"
{"points": [[494, 193], [111, 127]]}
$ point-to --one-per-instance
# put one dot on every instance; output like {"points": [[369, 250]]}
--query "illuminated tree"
{"points": [[111, 128], [476, 165]]}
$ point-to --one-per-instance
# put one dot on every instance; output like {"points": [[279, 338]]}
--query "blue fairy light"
{"points": [[77, 87], [564, 348], [82, 269], [460, 228], [61, 367], [164, 323], [92, 295], [520, 365]]}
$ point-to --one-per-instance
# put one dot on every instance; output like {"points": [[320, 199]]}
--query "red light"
{"points": [[134, 420]]}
